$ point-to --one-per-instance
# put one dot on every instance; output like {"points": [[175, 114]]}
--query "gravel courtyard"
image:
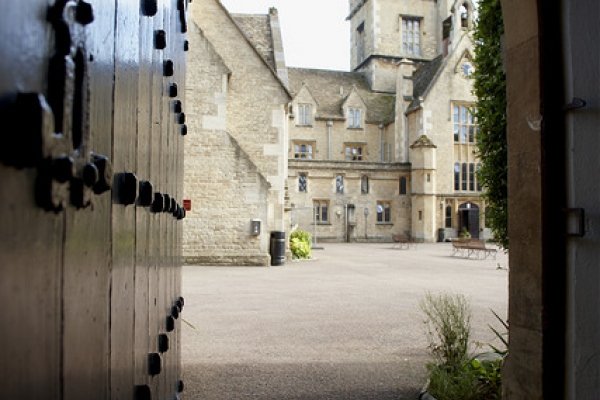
{"points": [[344, 326]]}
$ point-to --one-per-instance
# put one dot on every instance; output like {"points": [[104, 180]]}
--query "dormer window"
{"points": [[304, 114], [464, 16], [353, 118]]}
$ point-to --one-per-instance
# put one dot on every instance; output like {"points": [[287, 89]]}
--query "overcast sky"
{"points": [[315, 32]]}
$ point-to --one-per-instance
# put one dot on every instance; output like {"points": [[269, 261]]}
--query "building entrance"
{"points": [[468, 217]]}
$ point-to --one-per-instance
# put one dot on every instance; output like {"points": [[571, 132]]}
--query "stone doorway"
{"points": [[468, 217]]}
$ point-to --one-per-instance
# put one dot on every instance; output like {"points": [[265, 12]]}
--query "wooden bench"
{"points": [[402, 241], [472, 246]]}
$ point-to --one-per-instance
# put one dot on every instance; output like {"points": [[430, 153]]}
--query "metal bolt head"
{"points": [[128, 188], [183, 130], [181, 214], [177, 107], [90, 174], [149, 8], [85, 13], [169, 68], [158, 203], [143, 392], [173, 206], [181, 118], [175, 312], [170, 324], [154, 364], [186, 45], [146, 191], [173, 90], [180, 386], [179, 303], [160, 39], [163, 343], [105, 171], [63, 168], [167, 203]]}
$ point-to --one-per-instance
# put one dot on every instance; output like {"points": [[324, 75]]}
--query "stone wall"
{"points": [[226, 188]]}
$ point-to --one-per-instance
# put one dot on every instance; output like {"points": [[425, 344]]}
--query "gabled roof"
{"points": [[257, 28], [423, 78], [331, 88]]}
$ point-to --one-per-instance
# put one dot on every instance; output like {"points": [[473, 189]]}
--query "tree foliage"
{"points": [[490, 89]]}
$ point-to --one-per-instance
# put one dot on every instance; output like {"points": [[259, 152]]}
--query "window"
{"points": [[467, 69], [428, 177], [402, 186], [411, 35], [456, 176], [339, 184], [465, 126], [464, 176], [472, 177], [420, 215], [303, 150], [360, 43], [479, 186], [321, 210], [449, 217], [302, 183], [364, 184], [303, 114], [383, 211], [353, 118], [355, 152]]}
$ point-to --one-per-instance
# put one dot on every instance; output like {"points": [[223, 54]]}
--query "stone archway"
{"points": [[468, 217]]}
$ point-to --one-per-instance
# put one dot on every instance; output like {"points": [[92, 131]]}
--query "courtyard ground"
{"points": [[344, 326]]}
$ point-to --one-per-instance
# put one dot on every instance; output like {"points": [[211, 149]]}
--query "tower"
{"points": [[383, 32]]}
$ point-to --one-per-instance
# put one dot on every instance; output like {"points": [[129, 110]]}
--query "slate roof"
{"points": [[324, 85], [257, 27], [422, 79]]}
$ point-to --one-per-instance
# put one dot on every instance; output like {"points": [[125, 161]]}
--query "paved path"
{"points": [[345, 326]]}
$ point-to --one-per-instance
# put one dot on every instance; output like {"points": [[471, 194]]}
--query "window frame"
{"points": [[409, 37], [403, 187], [304, 115], [354, 118], [318, 215], [364, 184], [360, 148], [464, 123], [339, 188], [300, 175], [310, 152], [385, 215]]}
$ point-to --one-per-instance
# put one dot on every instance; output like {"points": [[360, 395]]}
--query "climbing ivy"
{"points": [[490, 89]]}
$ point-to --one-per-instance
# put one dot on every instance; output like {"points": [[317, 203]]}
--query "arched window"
{"points": [[402, 185], [456, 176], [364, 184], [448, 217]]}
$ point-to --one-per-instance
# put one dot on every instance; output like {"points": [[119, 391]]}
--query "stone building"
{"points": [[389, 147], [386, 148], [235, 151]]}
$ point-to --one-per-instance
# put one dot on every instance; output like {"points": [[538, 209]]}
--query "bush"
{"points": [[454, 374], [448, 328], [300, 244]]}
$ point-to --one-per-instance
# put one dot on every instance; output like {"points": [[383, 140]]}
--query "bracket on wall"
{"points": [[575, 222]]}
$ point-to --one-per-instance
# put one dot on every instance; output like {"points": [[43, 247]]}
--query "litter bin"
{"points": [[277, 248], [442, 235]]}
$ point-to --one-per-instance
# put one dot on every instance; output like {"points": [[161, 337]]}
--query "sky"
{"points": [[315, 33]]}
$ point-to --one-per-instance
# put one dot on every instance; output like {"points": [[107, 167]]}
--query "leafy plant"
{"points": [[300, 244], [448, 328], [490, 89]]}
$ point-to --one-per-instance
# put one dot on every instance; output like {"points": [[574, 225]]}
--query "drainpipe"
{"points": [[381, 149], [329, 124]]}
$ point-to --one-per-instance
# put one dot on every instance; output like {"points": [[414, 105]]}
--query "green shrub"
{"points": [[300, 244], [448, 328]]}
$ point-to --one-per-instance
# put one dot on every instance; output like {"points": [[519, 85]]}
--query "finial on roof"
{"points": [[273, 11]]}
